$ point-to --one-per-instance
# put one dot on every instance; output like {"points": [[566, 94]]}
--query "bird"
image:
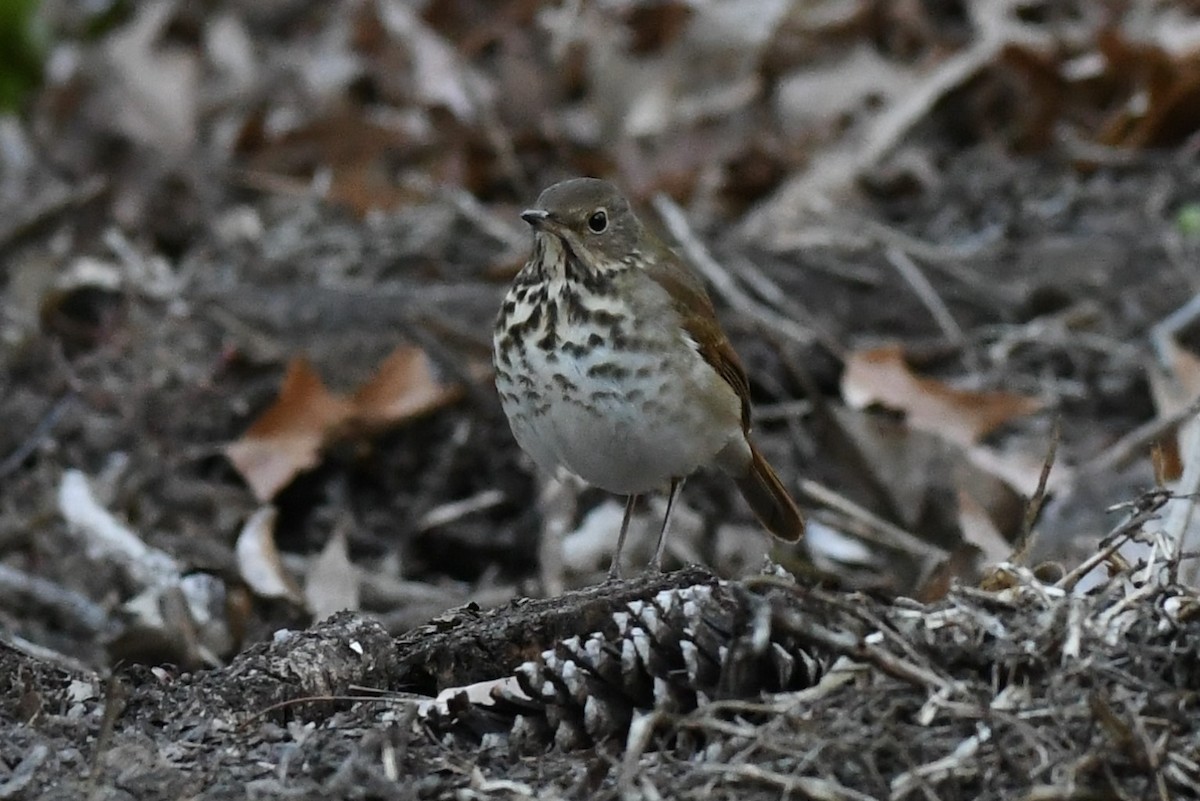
{"points": [[610, 361]]}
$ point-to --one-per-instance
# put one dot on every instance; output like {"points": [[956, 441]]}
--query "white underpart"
{"points": [[601, 429]]}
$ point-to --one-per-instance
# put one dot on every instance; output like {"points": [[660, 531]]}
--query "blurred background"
{"points": [[250, 254]]}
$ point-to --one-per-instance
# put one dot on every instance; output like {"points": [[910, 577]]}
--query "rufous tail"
{"points": [[769, 499]]}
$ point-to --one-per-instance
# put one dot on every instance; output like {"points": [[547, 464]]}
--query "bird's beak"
{"points": [[538, 218]]}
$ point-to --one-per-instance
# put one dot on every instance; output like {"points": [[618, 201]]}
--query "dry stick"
{"points": [[40, 431], [42, 653], [783, 410], [944, 258], [883, 628], [957, 763], [484, 219], [804, 786], [1124, 449], [73, 610], [1153, 757], [995, 31], [1184, 502], [698, 256], [116, 696], [868, 236], [1077, 149], [928, 296], [1034, 507], [877, 530], [45, 210], [853, 645], [456, 510], [891, 126], [1118, 537], [381, 696], [1180, 514], [641, 729], [772, 293], [858, 649]]}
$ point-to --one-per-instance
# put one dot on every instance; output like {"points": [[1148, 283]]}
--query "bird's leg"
{"points": [[614, 569], [656, 562]]}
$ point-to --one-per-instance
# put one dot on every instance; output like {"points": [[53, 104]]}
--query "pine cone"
{"points": [[672, 653]]}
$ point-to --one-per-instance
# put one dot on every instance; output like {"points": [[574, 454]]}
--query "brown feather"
{"points": [[699, 319], [769, 499], [759, 484]]}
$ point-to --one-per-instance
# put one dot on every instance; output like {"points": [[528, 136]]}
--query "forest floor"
{"points": [[250, 256]]}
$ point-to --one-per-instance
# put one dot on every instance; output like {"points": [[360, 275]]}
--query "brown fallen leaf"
{"points": [[290, 436], [402, 388], [332, 583], [258, 559], [1174, 385], [881, 376]]}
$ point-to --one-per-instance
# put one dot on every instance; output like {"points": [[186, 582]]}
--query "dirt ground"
{"points": [[250, 255]]}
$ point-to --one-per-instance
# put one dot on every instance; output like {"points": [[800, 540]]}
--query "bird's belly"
{"points": [[626, 421]]}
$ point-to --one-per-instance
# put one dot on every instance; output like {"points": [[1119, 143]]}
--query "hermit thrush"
{"points": [[610, 362]]}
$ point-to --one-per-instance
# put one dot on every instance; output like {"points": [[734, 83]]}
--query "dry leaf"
{"points": [[1173, 388], [959, 565], [332, 581], [105, 538], [288, 437], [978, 525], [880, 375], [403, 387], [258, 559], [1176, 386], [153, 90]]}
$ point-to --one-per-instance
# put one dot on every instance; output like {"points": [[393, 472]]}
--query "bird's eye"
{"points": [[598, 222]]}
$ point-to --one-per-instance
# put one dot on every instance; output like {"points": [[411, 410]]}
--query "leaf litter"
{"points": [[1001, 198]]}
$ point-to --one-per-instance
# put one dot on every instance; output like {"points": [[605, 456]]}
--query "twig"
{"points": [[861, 650], [1125, 448], [456, 510], [928, 296], [1177, 526], [995, 30], [957, 763], [42, 653], [1163, 332], [1179, 518], [864, 235], [720, 279], [857, 611], [1034, 507], [70, 609], [18, 778], [876, 529], [485, 220], [805, 786], [48, 208], [31, 442], [782, 410], [105, 537], [766, 288], [640, 731], [116, 696], [382, 697], [1117, 537]]}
